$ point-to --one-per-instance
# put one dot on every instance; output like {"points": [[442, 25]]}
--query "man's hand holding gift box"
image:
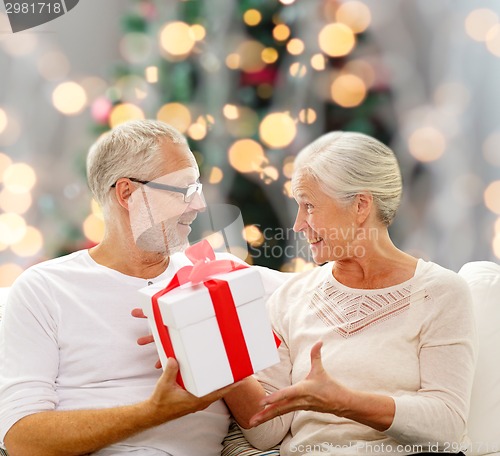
{"points": [[212, 318]]}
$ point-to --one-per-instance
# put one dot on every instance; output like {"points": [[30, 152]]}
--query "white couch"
{"points": [[484, 418]]}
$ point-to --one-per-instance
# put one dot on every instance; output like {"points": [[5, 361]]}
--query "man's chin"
{"points": [[161, 242]]}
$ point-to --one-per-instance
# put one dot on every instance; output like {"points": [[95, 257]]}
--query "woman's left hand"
{"points": [[317, 392]]}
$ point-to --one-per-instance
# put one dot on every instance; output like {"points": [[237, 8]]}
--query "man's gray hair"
{"points": [[347, 163], [131, 149]]}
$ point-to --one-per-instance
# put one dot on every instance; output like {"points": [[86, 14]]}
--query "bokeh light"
{"points": [[336, 40], [298, 70], [19, 178], [250, 53], [93, 228], [175, 114], [496, 245], [199, 32], [252, 17], [246, 156], [18, 203], [493, 40], [177, 40], [348, 90], [151, 74], [53, 66], [277, 130], [96, 209], [123, 112], [30, 244], [295, 46], [12, 228], [318, 62], [288, 166], [233, 61], [253, 235], [101, 109], [307, 116], [69, 98], [216, 175], [479, 22], [355, 14], [287, 189], [269, 174], [197, 131], [8, 273], [3, 120], [492, 197], [491, 149], [427, 144], [269, 55], [281, 32], [230, 111], [5, 162]]}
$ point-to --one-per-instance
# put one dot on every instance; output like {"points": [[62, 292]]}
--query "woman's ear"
{"points": [[364, 207], [123, 192]]}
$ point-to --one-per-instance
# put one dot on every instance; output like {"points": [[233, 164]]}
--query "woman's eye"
{"points": [[309, 207]]}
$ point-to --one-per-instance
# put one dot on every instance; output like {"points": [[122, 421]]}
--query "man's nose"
{"points": [[198, 203]]}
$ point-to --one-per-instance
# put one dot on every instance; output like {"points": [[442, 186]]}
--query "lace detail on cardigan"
{"points": [[351, 313]]}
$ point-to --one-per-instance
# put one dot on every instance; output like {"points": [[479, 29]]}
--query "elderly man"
{"points": [[73, 379]]}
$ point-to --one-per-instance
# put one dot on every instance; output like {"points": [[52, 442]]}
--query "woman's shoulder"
{"points": [[441, 282]]}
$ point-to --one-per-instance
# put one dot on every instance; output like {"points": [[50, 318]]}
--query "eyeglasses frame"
{"points": [[171, 188]]}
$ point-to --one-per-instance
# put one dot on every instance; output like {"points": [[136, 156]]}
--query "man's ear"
{"points": [[364, 206], [123, 192]]}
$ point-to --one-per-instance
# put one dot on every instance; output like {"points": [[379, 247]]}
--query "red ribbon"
{"points": [[205, 265]]}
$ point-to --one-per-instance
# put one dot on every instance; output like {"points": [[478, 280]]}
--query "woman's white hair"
{"points": [[131, 149], [346, 163]]}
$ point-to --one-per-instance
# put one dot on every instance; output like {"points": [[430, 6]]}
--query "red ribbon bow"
{"points": [[204, 266]]}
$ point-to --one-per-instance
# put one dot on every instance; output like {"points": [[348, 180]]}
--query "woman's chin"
{"points": [[319, 252]]}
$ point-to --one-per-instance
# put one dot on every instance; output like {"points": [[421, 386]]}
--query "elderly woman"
{"points": [[393, 371]]}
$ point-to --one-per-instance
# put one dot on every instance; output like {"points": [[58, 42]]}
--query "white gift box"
{"points": [[189, 314]]}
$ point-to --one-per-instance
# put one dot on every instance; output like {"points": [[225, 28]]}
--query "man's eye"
{"points": [[309, 206]]}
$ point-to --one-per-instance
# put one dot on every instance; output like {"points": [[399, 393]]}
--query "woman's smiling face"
{"points": [[328, 225]]}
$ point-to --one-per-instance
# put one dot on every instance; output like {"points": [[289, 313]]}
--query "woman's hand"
{"points": [[317, 392], [321, 393]]}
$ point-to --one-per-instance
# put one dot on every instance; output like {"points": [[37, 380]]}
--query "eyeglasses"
{"points": [[189, 192]]}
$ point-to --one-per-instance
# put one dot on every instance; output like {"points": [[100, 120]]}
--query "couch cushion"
{"points": [[483, 278], [235, 444]]}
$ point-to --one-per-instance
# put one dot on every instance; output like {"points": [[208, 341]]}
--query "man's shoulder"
{"points": [[54, 265]]}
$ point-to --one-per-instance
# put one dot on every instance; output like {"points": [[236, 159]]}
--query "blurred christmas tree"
{"points": [[250, 83]]}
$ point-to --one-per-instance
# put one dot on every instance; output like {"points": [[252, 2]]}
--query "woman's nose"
{"points": [[299, 224]]}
